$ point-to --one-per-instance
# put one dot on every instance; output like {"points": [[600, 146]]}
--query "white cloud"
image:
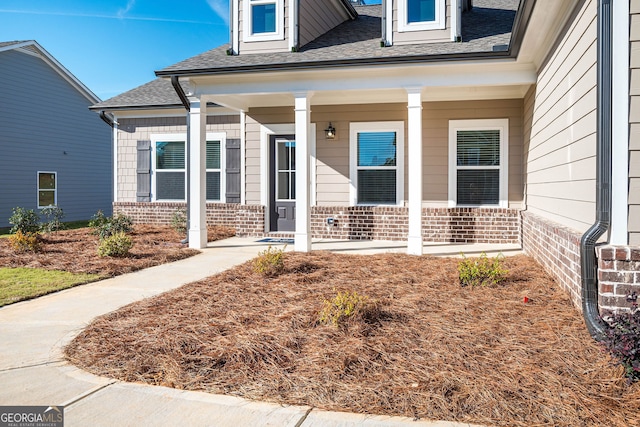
{"points": [[221, 8], [123, 12]]}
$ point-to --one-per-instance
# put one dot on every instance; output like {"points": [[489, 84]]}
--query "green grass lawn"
{"points": [[17, 284]]}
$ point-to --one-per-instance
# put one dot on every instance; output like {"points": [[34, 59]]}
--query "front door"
{"points": [[283, 183]]}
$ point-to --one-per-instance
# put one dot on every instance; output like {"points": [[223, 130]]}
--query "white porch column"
{"points": [[414, 125], [303, 153], [197, 174]]}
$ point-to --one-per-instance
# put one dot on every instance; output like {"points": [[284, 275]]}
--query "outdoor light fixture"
{"points": [[330, 132]]}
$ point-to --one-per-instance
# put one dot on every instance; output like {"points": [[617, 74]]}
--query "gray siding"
{"points": [[560, 117], [45, 125], [316, 18]]}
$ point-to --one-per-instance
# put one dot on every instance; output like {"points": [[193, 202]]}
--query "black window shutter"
{"points": [[232, 192], [143, 172]]}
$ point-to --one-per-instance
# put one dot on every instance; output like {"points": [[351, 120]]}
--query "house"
{"points": [[413, 120], [55, 150]]}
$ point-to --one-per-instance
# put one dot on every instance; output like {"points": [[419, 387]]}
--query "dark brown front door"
{"points": [[283, 183]]}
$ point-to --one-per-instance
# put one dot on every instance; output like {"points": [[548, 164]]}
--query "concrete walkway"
{"points": [[34, 372]]}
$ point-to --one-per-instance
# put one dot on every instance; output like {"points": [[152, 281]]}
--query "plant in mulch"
{"points": [[269, 262], [116, 245], [53, 219], [25, 241], [179, 220], [24, 220], [622, 340], [347, 305], [481, 271], [104, 226]]}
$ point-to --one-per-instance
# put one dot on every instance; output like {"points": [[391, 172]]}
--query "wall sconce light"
{"points": [[330, 132]]}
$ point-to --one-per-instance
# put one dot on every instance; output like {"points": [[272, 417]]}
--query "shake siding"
{"points": [[561, 123], [634, 123], [132, 130], [42, 117], [410, 37], [316, 18]]}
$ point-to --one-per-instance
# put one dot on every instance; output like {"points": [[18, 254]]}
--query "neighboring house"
{"points": [[55, 151], [325, 119]]}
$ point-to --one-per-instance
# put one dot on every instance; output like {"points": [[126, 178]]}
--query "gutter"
{"points": [[604, 142], [107, 119], [175, 82]]}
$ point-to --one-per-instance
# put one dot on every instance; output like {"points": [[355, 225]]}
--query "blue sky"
{"points": [[115, 45]]}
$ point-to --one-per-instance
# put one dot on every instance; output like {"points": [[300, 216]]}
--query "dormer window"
{"points": [[262, 20], [421, 15]]}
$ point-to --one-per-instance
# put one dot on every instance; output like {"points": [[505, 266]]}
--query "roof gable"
{"points": [[32, 47]]}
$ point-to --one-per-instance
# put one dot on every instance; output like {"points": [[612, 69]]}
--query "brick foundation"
{"points": [[450, 225], [248, 220], [618, 276], [557, 249]]}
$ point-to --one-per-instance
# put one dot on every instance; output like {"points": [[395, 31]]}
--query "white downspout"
{"points": [[115, 159]]}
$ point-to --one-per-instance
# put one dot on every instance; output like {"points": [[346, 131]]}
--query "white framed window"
{"points": [[376, 153], [47, 189], [169, 178], [263, 20], [478, 162], [421, 15]]}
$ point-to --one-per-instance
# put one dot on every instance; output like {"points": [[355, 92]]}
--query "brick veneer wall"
{"points": [[618, 276], [453, 225], [557, 249], [248, 220]]}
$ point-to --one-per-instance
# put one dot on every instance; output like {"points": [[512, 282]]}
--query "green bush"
{"points": [[115, 245], [25, 242], [53, 216], [269, 262], [481, 271], [346, 305], [179, 220], [24, 220], [622, 341], [105, 226]]}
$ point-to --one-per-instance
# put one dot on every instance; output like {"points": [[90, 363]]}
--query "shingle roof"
{"points": [[157, 93], [486, 28]]}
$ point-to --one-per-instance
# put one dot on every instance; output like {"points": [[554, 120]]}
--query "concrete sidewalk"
{"points": [[34, 372]]}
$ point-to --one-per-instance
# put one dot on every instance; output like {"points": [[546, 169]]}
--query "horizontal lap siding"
{"points": [[132, 130], [432, 36], [42, 117], [561, 125], [316, 18], [634, 121]]}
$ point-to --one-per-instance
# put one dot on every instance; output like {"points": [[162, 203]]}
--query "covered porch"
{"points": [[417, 102]]}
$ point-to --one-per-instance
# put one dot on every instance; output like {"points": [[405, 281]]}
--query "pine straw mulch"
{"points": [[76, 251], [435, 350]]}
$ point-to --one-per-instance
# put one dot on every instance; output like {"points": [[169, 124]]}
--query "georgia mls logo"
{"points": [[31, 416]]}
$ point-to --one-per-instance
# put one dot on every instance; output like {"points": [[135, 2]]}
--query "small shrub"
{"points": [[269, 262], [346, 305], [481, 271], [53, 216], [25, 242], [179, 220], [105, 226], [622, 341], [115, 245], [24, 220]]}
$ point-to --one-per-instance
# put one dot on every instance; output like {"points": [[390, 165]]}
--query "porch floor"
{"points": [[380, 246]]}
